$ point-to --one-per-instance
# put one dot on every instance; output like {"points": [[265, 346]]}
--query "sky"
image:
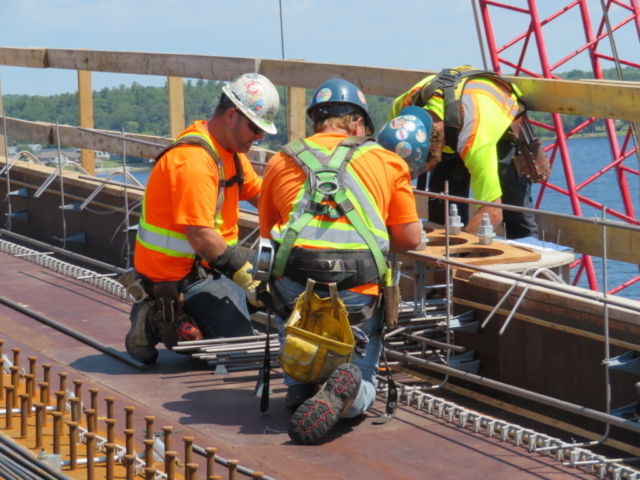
{"points": [[405, 34]]}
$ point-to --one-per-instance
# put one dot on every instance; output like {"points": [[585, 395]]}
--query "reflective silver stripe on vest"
{"points": [[165, 242], [468, 107]]}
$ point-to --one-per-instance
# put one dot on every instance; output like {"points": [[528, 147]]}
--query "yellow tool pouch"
{"points": [[318, 337]]}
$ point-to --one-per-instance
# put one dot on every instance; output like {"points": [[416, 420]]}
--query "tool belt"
{"points": [[531, 160], [346, 268], [166, 315], [318, 337]]}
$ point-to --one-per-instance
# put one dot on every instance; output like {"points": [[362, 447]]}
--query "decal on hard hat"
{"points": [[397, 123], [323, 95], [402, 134], [361, 97], [253, 88], [421, 135], [403, 149], [410, 126], [256, 104]]}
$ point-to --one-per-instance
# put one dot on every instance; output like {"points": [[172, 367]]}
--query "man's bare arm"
{"points": [[495, 216], [207, 243], [404, 237]]}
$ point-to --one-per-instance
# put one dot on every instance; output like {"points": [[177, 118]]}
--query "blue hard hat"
{"points": [[338, 97], [408, 135]]}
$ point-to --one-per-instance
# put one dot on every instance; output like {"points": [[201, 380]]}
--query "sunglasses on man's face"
{"points": [[252, 126]]}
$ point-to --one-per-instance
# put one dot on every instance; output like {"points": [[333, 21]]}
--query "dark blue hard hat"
{"points": [[338, 97], [408, 135]]}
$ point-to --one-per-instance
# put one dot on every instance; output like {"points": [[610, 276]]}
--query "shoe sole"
{"points": [[315, 417]]}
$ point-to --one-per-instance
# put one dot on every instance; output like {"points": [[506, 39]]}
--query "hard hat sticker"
{"points": [[323, 95], [397, 123], [402, 134], [361, 97], [256, 104], [421, 135], [253, 89], [410, 126], [403, 149]]}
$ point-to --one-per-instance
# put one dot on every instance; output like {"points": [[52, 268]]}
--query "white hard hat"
{"points": [[257, 98]]}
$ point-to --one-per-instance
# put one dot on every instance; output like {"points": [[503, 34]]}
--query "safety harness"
{"points": [[531, 160], [325, 176], [197, 140], [452, 83]]}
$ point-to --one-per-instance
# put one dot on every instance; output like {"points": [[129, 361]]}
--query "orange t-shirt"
{"points": [[383, 173], [183, 190]]}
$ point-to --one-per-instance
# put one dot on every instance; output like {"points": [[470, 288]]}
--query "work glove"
{"points": [[232, 265], [361, 341], [243, 277]]}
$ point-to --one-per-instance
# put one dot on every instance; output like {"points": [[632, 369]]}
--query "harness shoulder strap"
{"points": [[452, 83], [201, 142], [326, 181]]}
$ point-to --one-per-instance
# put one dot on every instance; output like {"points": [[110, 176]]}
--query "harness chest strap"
{"points": [[320, 175]]}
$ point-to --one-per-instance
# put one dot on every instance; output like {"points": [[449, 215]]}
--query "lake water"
{"points": [[588, 156]]}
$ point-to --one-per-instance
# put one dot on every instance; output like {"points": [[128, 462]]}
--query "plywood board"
{"points": [[466, 248]]}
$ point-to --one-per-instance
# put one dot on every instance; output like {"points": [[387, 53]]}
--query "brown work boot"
{"points": [[320, 413], [136, 342]]}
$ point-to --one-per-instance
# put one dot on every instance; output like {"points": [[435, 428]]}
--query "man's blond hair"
{"points": [[343, 122]]}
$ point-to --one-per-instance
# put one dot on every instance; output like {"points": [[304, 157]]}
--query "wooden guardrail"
{"points": [[607, 99], [602, 99]]}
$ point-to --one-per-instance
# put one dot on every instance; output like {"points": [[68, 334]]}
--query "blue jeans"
{"points": [[368, 365], [218, 308]]}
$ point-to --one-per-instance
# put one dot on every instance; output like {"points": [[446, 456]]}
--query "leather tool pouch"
{"points": [[531, 160], [391, 305]]}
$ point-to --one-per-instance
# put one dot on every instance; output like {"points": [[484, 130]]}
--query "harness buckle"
{"points": [[345, 207], [327, 186]]}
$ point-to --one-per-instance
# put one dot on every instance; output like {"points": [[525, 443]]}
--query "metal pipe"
{"points": [[62, 251], [595, 220], [588, 294], [569, 407], [28, 460], [435, 343], [77, 335], [214, 341]]}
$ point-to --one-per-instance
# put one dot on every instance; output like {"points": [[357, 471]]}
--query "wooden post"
{"points": [[175, 89], [296, 113], [85, 114]]}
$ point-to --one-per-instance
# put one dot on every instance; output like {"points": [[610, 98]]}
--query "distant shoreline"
{"points": [[129, 169]]}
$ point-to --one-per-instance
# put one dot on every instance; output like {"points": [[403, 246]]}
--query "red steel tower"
{"points": [[599, 44]]}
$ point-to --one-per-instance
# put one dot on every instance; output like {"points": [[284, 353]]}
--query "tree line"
{"points": [[142, 109]]}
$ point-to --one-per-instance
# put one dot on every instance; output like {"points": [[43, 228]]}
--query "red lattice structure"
{"points": [[532, 41]]}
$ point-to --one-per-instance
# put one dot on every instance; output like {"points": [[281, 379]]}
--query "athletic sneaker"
{"points": [[320, 413], [136, 342]]}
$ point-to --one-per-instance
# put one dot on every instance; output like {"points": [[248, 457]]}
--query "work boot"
{"points": [[315, 417], [136, 342], [298, 394]]}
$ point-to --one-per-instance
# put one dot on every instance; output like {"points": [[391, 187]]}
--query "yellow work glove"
{"points": [[250, 286]]}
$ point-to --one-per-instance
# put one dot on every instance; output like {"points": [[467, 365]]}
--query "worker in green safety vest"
{"points": [[335, 204]]}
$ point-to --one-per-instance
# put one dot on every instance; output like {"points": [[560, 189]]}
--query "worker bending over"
{"points": [[476, 127]]}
